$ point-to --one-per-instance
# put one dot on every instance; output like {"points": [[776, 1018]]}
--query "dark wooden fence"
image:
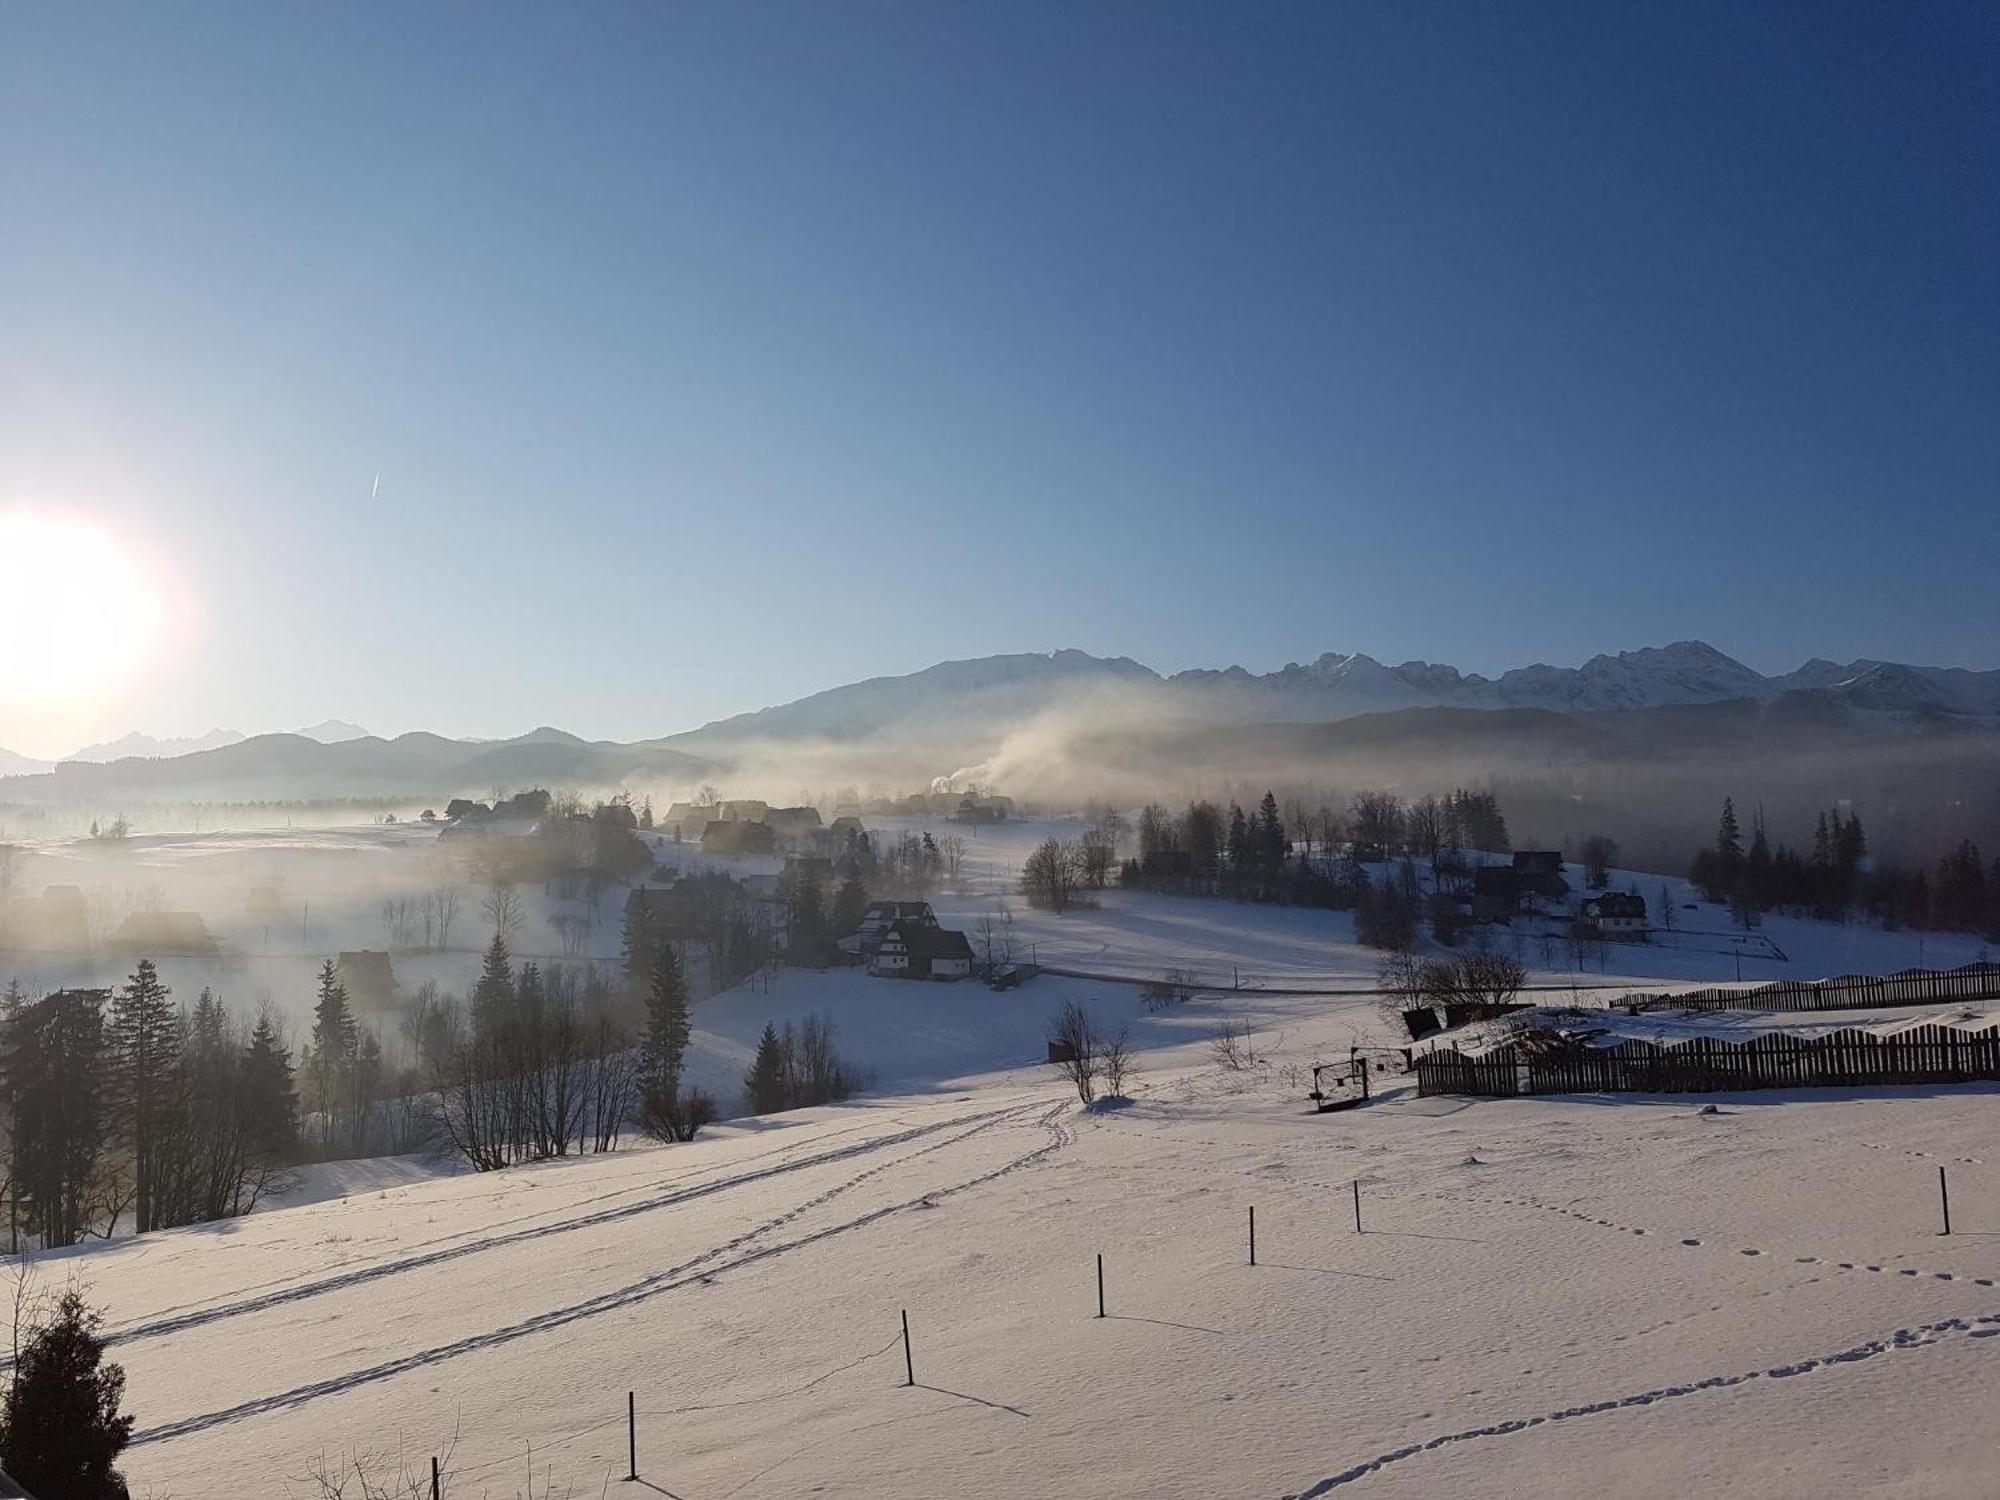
{"points": [[1922, 1054], [1847, 992]]}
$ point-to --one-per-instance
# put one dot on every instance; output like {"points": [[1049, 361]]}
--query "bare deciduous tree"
{"points": [[1051, 875], [1598, 854], [1377, 823], [1115, 1061], [502, 907], [1234, 1047], [952, 847], [1073, 1048], [1424, 827], [1474, 979], [1097, 853]]}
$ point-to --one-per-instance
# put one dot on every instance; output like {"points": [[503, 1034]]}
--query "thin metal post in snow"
{"points": [[437, 1491], [1357, 1206], [1944, 1199], [631, 1435], [909, 1367], [1253, 1235], [1100, 1286]]}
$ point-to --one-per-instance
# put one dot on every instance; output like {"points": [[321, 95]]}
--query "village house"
{"points": [[880, 916], [369, 980], [911, 950], [1539, 873], [793, 825], [684, 818], [728, 836], [988, 809], [150, 934], [839, 836], [1612, 914]]}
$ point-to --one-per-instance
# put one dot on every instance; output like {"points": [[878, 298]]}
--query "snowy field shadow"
{"points": [[976, 1400]]}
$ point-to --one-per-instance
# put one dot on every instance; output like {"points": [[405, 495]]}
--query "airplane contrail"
{"points": [[375, 488]]}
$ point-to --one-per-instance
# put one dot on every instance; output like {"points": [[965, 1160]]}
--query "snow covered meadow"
{"points": [[1631, 1295]]}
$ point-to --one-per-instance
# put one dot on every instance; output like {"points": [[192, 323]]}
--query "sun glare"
{"points": [[79, 614]]}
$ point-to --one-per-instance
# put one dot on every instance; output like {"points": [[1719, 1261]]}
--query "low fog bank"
{"points": [[1653, 779], [249, 914]]}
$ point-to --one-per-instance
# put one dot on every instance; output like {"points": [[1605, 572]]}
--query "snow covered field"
{"points": [[331, 883], [1552, 1297]]}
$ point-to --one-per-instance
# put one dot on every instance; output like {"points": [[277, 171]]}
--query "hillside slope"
{"points": [[1648, 1302]]}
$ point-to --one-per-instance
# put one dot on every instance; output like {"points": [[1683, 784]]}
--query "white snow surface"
{"points": [[1601, 1295], [1552, 1297]]}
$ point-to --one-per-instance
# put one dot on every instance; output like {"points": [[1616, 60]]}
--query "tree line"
{"points": [[1834, 879], [121, 1105], [1286, 854], [530, 1065]]}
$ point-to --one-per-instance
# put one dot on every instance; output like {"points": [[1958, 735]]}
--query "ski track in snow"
{"points": [[180, 1321], [482, 1235], [687, 1273], [1984, 1326]]}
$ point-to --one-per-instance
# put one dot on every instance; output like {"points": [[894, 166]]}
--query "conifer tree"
{"points": [[145, 1041], [53, 1075], [765, 1082], [1757, 868], [330, 1057], [641, 935], [60, 1428], [270, 1105], [850, 903], [333, 1019], [667, 1024], [493, 995], [1728, 836], [1270, 835]]}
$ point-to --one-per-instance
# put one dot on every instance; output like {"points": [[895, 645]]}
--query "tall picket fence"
{"points": [[1844, 1059], [1846, 992]]}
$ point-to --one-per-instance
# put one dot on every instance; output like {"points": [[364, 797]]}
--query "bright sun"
{"points": [[78, 612]]}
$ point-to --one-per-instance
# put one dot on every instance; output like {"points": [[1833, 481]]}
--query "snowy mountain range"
{"points": [[1338, 686], [146, 747], [1009, 717], [327, 732]]}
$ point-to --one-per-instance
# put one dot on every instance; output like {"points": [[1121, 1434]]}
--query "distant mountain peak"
{"points": [[333, 732], [146, 747]]}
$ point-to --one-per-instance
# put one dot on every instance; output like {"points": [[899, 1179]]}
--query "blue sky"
{"points": [[710, 355]]}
